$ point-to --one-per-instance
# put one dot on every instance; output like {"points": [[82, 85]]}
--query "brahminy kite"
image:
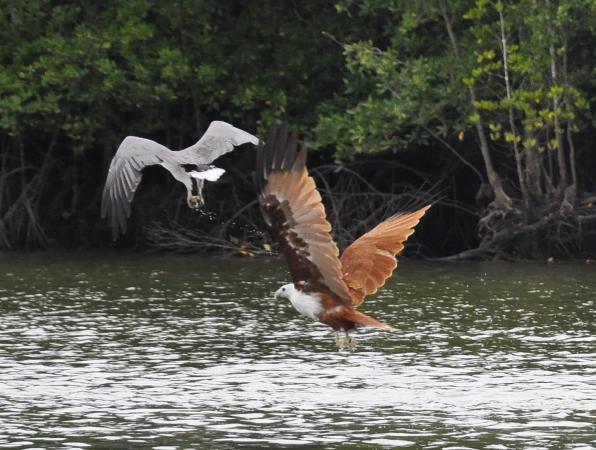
{"points": [[325, 287], [134, 154]]}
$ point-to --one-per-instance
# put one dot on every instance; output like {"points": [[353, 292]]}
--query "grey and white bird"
{"points": [[134, 154]]}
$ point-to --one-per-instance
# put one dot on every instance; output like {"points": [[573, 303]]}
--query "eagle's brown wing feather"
{"points": [[292, 207], [370, 260]]}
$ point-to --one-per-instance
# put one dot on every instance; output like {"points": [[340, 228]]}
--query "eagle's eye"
{"points": [[283, 289]]}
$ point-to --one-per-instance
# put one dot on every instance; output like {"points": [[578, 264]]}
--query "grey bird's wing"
{"points": [[124, 176], [220, 138]]}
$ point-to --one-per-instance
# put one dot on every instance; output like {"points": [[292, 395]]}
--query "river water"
{"points": [[161, 352]]}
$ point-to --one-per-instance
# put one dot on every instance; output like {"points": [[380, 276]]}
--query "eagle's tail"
{"points": [[363, 319]]}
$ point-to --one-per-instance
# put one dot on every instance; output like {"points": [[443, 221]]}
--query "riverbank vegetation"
{"points": [[486, 106]]}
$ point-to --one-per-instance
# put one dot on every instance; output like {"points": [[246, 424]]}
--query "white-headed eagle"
{"points": [[134, 154], [325, 287]]}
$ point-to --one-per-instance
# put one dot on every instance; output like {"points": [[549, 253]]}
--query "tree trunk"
{"points": [[533, 171], [516, 151], [494, 179]]}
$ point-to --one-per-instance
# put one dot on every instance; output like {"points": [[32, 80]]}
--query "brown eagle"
{"points": [[325, 287]]}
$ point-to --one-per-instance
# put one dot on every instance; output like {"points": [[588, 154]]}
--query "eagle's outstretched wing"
{"points": [[124, 176], [292, 207], [220, 138], [370, 260]]}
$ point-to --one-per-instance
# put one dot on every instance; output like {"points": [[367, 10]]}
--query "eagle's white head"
{"points": [[306, 304], [286, 291]]}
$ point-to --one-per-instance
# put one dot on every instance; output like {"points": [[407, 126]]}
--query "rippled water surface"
{"points": [[154, 352]]}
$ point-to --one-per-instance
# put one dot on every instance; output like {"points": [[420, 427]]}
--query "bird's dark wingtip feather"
{"points": [[300, 160], [260, 166], [289, 152], [269, 154], [121, 214], [278, 154], [114, 224]]}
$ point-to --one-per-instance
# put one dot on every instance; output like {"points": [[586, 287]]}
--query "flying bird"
{"points": [[135, 153], [325, 287]]}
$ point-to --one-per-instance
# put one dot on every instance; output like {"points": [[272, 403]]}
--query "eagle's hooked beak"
{"points": [[277, 293]]}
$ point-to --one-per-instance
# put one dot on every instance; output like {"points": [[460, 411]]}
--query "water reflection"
{"points": [[177, 353]]}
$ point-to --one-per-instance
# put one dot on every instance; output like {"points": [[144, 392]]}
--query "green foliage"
{"points": [[407, 82], [98, 70], [398, 85], [533, 48]]}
